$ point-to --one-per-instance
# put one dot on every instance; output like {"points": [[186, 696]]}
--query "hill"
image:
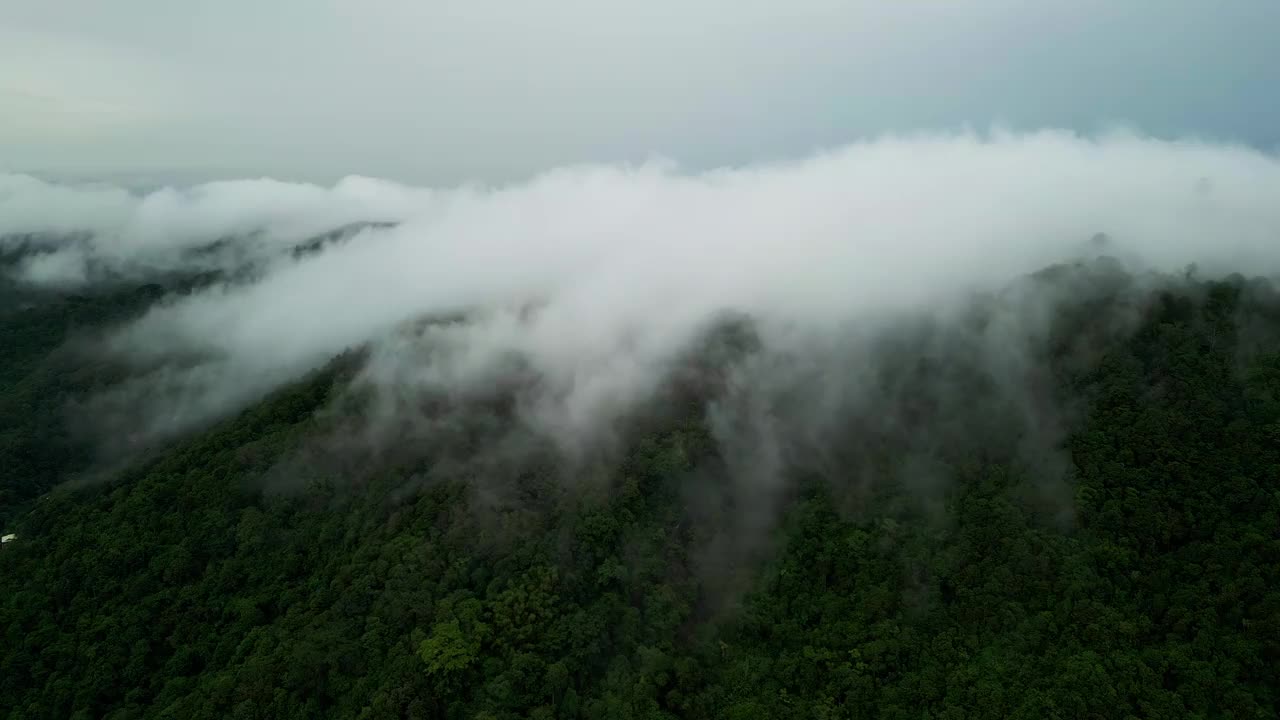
{"points": [[1086, 528]]}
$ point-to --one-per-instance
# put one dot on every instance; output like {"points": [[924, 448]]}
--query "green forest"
{"points": [[247, 571]]}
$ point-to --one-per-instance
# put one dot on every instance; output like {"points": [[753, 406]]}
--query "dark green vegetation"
{"points": [[1145, 583], [39, 376], [47, 363]]}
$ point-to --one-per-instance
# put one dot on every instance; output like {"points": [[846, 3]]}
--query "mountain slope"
{"points": [[945, 566]]}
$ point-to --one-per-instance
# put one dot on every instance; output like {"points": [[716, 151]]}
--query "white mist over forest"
{"points": [[601, 276]]}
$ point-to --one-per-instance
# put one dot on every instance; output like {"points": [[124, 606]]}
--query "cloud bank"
{"points": [[596, 279], [87, 227]]}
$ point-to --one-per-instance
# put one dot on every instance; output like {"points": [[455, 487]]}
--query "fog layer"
{"points": [[599, 277]]}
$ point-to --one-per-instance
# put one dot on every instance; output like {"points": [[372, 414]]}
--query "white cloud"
{"points": [[122, 230], [627, 264]]}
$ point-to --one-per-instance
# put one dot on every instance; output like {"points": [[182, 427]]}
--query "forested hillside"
{"points": [[48, 362], [957, 563]]}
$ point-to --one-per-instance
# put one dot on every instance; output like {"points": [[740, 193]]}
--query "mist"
{"points": [[84, 233], [600, 278]]}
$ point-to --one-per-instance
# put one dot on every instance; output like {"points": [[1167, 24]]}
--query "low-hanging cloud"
{"points": [[599, 277], [85, 227]]}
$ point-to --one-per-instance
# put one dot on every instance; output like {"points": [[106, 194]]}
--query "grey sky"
{"points": [[439, 91]]}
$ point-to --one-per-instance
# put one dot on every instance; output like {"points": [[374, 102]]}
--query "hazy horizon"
{"points": [[144, 93]]}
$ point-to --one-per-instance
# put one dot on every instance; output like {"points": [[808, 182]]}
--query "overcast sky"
{"points": [[441, 91]]}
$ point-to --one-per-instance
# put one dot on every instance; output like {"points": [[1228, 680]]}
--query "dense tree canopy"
{"points": [[1139, 579]]}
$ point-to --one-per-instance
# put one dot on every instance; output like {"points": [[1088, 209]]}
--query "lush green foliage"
{"points": [[182, 590], [40, 373]]}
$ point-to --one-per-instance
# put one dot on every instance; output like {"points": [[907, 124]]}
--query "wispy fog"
{"points": [[599, 277]]}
